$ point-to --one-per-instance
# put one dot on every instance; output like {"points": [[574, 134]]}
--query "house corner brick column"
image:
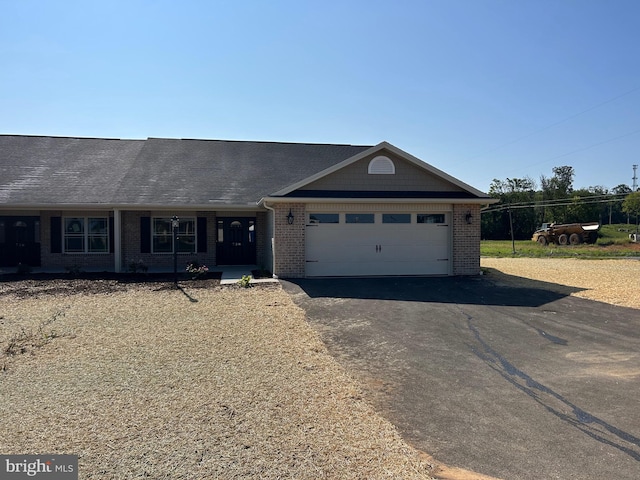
{"points": [[289, 241], [466, 240]]}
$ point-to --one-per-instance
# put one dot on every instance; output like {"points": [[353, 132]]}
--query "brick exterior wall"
{"points": [[163, 261], [466, 240], [289, 241], [130, 242], [89, 261]]}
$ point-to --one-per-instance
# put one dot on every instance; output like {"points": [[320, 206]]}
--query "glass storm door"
{"points": [[236, 242]]}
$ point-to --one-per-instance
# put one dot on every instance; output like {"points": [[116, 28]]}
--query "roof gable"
{"points": [[410, 175]]}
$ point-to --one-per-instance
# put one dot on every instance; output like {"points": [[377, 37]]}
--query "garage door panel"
{"points": [[331, 269], [416, 268], [412, 253], [377, 249]]}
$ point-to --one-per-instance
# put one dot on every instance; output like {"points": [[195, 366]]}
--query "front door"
{"points": [[19, 241], [236, 242]]}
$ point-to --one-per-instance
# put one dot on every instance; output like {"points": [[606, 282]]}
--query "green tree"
{"points": [[631, 205], [622, 189], [512, 191], [615, 207], [581, 208], [558, 187]]}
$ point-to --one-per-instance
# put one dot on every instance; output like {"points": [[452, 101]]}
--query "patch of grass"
{"points": [[613, 242], [615, 234]]}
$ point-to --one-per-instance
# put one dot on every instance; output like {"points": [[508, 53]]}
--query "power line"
{"points": [[586, 148], [609, 196], [555, 124], [556, 203]]}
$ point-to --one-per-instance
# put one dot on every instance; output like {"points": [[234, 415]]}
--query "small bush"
{"points": [[137, 267], [29, 340], [196, 270], [73, 270], [245, 281]]}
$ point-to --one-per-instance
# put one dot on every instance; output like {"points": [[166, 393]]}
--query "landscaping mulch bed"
{"points": [[145, 380]]}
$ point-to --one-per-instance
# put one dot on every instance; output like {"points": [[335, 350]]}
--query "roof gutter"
{"points": [[103, 206], [465, 201]]}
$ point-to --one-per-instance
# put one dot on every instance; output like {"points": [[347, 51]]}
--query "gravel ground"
{"points": [[610, 281], [146, 381]]}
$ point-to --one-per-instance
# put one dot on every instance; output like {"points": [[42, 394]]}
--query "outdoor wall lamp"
{"points": [[290, 218], [468, 217]]}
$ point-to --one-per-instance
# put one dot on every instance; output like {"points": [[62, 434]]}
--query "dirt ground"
{"points": [[142, 380], [615, 281]]}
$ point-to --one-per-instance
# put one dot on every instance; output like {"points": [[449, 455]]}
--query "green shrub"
{"points": [[137, 267]]}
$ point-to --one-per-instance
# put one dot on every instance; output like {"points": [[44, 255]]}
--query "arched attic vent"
{"points": [[381, 165]]}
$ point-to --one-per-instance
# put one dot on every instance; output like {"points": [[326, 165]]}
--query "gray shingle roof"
{"points": [[56, 170], [61, 170], [206, 172]]}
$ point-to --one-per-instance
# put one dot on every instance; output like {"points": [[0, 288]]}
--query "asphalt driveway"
{"points": [[515, 383]]}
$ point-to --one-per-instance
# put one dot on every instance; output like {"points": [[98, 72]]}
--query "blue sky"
{"points": [[481, 89]]}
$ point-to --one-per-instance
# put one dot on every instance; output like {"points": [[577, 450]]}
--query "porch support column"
{"points": [[117, 240]]}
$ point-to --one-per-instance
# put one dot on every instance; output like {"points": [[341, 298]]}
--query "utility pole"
{"points": [[634, 188], [513, 240]]}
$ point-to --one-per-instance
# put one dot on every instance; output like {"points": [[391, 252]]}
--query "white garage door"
{"points": [[352, 244]]}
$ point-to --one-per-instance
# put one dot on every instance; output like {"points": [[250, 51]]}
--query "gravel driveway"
{"points": [[611, 281]]}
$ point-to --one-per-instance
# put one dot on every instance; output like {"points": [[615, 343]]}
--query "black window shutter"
{"points": [[111, 236], [202, 234], [56, 234], [145, 234]]}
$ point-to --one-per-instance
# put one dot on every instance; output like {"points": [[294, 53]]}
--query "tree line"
{"points": [[554, 201]]}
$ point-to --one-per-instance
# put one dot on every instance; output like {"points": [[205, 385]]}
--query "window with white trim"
{"points": [[86, 235], [162, 235]]}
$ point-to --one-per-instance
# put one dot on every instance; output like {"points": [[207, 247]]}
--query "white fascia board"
{"points": [[396, 151], [465, 201]]}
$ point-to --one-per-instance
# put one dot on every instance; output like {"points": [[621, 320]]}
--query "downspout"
{"points": [[273, 238]]}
